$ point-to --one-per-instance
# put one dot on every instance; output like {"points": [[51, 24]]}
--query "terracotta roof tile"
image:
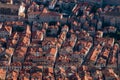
{"points": [[10, 51]]}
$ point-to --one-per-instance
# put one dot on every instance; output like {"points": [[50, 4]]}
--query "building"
{"points": [[100, 2], [112, 2], [50, 16], [119, 60], [111, 17], [45, 16], [99, 24], [5, 31], [21, 12], [8, 12], [52, 4], [33, 15], [2, 73]]}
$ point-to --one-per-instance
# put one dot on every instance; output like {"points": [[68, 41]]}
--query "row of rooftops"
{"points": [[22, 39], [32, 50], [92, 28], [38, 72], [80, 73], [112, 10]]}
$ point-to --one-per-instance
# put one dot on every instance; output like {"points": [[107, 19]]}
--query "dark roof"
{"points": [[113, 13]]}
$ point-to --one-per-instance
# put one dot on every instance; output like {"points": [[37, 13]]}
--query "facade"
{"points": [[93, 1], [52, 4], [44, 16], [21, 12], [111, 2], [112, 18], [47, 17], [119, 60], [33, 15], [8, 12]]}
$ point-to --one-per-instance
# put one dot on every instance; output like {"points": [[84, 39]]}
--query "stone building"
{"points": [[111, 2], [8, 12], [112, 17]]}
